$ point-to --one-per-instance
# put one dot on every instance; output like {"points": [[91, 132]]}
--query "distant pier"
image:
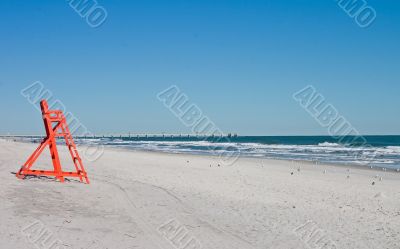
{"points": [[132, 136]]}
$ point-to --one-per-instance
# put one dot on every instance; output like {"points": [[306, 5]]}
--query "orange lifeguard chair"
{"points": [[56, 126]]}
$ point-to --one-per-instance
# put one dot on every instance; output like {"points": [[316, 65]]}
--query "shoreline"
{"points": [[310, 162]]}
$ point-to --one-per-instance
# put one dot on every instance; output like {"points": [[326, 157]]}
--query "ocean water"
{"points": [[374, 151]]}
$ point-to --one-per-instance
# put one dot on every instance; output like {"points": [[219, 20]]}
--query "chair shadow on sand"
{"points": [[35, 178]]}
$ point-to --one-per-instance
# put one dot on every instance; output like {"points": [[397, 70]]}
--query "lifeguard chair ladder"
{"points": [[56, 126]]}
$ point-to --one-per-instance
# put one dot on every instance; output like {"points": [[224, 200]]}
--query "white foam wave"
{"points": [[328, 144], [324, 152]]}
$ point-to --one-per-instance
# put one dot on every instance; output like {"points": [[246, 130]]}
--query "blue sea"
{"points": [[375, 151]]}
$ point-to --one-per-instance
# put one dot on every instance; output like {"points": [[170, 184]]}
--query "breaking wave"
{"points": [[325, 152]]}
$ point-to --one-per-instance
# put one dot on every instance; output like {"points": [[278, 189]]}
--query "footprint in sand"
{"points": [[380, 195]]}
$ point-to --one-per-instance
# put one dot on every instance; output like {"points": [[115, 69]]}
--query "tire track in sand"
{"points": [[162, 205], [131, 209]]}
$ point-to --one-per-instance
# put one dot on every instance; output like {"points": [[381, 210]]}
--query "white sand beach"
{"points": [[152, 200]]}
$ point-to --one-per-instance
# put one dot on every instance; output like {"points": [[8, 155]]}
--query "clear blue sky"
{"points": [[240, 61]]}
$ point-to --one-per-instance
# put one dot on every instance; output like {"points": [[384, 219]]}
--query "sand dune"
{"points": [[152, 200]]}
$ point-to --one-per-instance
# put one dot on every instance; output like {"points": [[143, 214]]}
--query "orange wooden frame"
{"points": [[56, 126]]}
